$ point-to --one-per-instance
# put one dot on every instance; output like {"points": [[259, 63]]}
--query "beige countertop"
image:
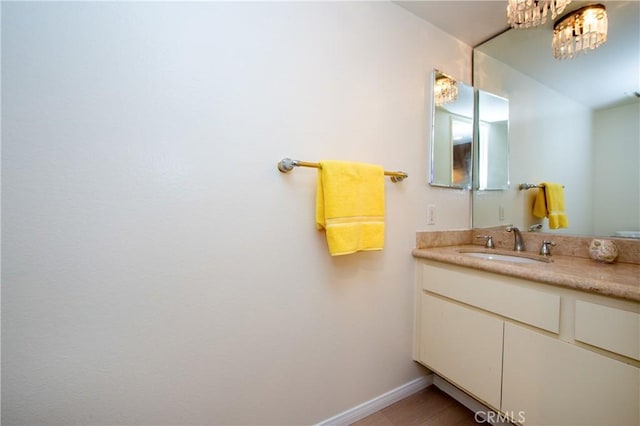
{"points": [[620, 280]]}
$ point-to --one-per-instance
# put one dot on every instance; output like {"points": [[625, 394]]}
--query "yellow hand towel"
{"points": [[350, 206], [549, 203]]}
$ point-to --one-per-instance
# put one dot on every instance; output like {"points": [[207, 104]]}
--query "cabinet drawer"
{"points": [[506, 296], [608, 328]]}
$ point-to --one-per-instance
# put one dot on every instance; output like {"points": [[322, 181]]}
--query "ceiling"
{"points": [[469, 21], [601, 78]]}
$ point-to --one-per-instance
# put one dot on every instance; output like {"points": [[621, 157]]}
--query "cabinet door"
{"points": [[464, 346], [551, 382]]}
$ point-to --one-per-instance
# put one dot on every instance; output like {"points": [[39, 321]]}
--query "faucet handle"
{"points": [[489, 241], [545, 248]]}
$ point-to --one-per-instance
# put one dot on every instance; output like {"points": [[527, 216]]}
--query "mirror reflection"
{"points": [[493, 142], [573, 122], [452, 132]]}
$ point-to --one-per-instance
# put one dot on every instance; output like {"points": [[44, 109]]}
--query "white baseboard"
{"points": [[365, 409], [458, 395], [464, 399]]}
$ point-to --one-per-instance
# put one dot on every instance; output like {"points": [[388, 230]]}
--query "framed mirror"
{"points": [[573, 122], [452, 132]]}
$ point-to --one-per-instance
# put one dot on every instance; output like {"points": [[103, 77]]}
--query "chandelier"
{"points": [[579, 31], [531, 13], [445, 90]]}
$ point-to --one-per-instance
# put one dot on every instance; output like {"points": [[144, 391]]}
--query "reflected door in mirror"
{"points": [[452, 132]]}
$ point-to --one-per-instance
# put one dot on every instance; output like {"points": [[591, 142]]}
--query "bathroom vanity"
{"points": [[544, 343]]}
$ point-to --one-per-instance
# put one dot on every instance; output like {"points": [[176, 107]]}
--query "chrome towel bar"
{"points": [[287, 164], [530, 185]]}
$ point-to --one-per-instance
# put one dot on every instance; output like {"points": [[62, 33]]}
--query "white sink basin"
{"points": [[504, 257]]}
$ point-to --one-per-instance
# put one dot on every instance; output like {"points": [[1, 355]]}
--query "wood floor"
{"points": [[430, 407]]}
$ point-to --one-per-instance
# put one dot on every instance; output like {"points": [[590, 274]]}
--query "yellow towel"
{"points": [[550, 203], [350, 206]]}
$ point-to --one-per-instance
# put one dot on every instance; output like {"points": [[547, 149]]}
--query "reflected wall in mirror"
{"points": [[452, 132], [573, 122], [493, 142]]}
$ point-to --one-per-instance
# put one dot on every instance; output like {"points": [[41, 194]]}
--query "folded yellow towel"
{"points": [[350, 206], [550, 203]]}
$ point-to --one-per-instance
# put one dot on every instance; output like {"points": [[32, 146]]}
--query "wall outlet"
{"points": [[501, 212], [431, 214]]}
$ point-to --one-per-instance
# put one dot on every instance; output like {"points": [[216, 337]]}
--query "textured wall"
{"points": [[157, 268]]}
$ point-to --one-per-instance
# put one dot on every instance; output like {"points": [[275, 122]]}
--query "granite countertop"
{"points": [[620, 280]]}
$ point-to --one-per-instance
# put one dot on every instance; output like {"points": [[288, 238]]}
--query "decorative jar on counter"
{"points": [[603, 250]]}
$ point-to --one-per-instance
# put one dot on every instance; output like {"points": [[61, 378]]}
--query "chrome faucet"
{"points": [[518, 244]]}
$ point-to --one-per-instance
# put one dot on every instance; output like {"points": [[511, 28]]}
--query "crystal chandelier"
{"points": [[579, 31], [445, 90], [531, 13]]}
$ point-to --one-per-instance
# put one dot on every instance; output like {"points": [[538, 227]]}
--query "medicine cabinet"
{"points": [[459, 113]]}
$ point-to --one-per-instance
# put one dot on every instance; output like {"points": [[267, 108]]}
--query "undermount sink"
{"points": [[505, 257]]}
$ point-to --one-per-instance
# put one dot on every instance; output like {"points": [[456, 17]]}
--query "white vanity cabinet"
{"points": [[464, 346], [556, 383], [545, 354]]}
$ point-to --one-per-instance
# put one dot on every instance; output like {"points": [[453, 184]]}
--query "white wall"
{"points": [[616, 172], [157, 268], [549, 140]]}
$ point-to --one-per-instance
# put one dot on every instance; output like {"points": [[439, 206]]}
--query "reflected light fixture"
{"points": [[445, 90], [579, 31], [531, 13]]}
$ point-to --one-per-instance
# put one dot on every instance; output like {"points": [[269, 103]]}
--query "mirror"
{"points": [[493, 142], [573, 122], [452, 132]]}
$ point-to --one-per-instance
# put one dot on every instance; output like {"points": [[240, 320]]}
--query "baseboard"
{"points": [[477, 407], [365, 409]]}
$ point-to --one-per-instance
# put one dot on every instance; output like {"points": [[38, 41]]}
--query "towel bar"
{"points": [[530, 185], [287, 164]]}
